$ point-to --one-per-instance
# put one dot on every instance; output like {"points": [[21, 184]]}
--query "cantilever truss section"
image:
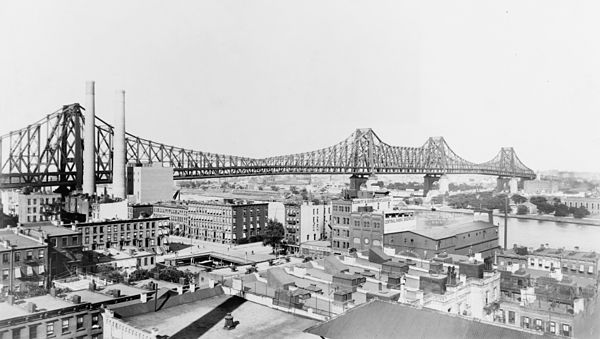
{"points": [[48, 153]]}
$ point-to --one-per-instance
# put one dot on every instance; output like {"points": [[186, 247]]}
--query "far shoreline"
{"points": [[583, 221]]}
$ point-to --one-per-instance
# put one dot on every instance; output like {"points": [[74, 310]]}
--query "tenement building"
{"points": [[341, 214], [227, 222], [143, 233], [590, 203], [23, 263], [39, 206], [306, 222]]}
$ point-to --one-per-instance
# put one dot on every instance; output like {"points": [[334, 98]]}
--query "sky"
{"points": [[262, 78]]}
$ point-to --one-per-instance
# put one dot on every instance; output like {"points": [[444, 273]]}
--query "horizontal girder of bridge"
{"points": [[49, 153]]}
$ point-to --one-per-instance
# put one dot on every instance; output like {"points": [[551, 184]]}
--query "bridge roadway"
{"points": [[51, 151]]}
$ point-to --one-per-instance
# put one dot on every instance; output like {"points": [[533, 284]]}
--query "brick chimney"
{"points": [[31, 307]]}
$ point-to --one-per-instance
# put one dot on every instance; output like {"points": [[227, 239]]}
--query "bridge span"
{"points": [[51, 152]]}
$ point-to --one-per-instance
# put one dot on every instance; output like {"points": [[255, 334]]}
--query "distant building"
{"points": [[39, 206], [591, 204], [229, 221], [532, 187], [569, 262], [368, 226], [341, 213], [24, 261], [137, 210], [105, 210], [142, 233], [65, 249], [306, 222], [462, 238], [149, 184]]}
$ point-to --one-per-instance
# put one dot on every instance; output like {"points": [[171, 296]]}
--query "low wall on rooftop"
{"points": [[167, 300]]}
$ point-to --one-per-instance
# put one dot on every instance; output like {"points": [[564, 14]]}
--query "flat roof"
{"points": [[206, 318], [447, 231], [88, 296], [43, 303], [18, 240], [50, 229]]}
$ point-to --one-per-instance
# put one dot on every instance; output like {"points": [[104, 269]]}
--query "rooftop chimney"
{"points": [[31, 307]]}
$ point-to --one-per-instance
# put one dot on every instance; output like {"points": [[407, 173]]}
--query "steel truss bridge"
{"points": [[49, 153]]}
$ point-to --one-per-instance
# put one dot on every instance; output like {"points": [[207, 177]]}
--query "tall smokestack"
{"points": [[89, 163], [119, 148]]}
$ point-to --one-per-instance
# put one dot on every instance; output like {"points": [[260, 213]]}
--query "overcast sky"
{"points": [[263, 78]]}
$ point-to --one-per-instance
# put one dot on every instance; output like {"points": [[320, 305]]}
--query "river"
{"points": [[532, 233]]}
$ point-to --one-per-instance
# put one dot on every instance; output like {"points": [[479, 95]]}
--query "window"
{"points": [[17, 256], [5, 257], [511, 317], [79, 322], [552, 327], [5, 273], [538, 324], [33, 332], [525, 321], [40, 254], [95, 322], [566, 330], [65, 325], [50, 329], [53, 242], [74, 241], [29, 255]]}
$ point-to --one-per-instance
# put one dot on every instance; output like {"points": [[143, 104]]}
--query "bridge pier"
{"points": [[442, 180], [356, 181], [507, 184], [428, 181]]}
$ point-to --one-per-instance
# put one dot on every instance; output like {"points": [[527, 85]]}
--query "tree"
{"points": [[546, 208], [518, 199], [522, 209], [580, 212], [561, 210], [273, 234], [538, 200]]}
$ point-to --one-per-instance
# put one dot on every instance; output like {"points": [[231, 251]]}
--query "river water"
{"points": [[532, 233]]}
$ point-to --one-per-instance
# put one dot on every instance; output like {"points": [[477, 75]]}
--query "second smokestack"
{"points": [[89, 161], [119, 154]]}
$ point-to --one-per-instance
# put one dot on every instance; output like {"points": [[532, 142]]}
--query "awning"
{"points": [[41, 269], [17, 273]]}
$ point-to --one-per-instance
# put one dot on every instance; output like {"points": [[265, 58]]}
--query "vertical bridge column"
{"points": [[511, 185], [428, 181]]}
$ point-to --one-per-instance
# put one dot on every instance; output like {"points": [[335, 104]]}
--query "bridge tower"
{"points": [[428, 181]]}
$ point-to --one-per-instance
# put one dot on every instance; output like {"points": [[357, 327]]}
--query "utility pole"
{"points": [[506, 222]]}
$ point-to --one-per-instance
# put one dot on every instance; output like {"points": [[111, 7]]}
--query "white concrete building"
{"points": [[151, 184]]}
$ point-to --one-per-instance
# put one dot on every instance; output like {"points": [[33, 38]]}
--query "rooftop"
{"points": [[206, 318], [43, 303], [379, 319], [18, 240], [50, 229], [447, 231]]}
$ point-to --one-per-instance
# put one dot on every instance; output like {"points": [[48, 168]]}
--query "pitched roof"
{"points": [[447, 231], [380, 319]]}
